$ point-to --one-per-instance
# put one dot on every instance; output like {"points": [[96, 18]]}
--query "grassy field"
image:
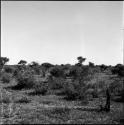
{"points": [[21, 107]]}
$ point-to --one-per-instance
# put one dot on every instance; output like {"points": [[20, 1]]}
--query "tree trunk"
{"points": [[107, 106]]}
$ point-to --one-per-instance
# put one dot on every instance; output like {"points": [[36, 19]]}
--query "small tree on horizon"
{"points": [[81, 59], [3, 61], [91, 64], [22, 62]]}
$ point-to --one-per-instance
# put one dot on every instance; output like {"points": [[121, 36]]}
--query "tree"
{"points": [[103, 67], [57, 71], [107, 105], [3, 61], [22, 62], [45, 67], [81, 59], [33, 64], [76, 86], [119, 70], [91, 64]]}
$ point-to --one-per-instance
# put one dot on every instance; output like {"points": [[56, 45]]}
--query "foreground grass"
{"points": [[48, 109]]}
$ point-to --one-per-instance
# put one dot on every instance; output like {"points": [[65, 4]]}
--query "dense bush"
{"points": [[35, 67], [76, 87], [103, 67], [6, 77], [5, 99], [118, 69], [9, 69], [57, 83], [116, 87], [71, 90], [57, 71], [25, 80], [40, 88]]}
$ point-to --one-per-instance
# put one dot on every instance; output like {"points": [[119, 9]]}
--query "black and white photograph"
{"points": [[62, 62]]}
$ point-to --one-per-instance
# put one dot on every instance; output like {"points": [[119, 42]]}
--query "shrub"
{"points": [[5, 100], [25, 80], [57, 71], [40, 88], [60, 110], [70, 91], [6, 77], [116, 87], [5, 97], [75, 90], [23, 99], [57, 83], [118, 69], [15, 73], [76, 87], [9, 69]]}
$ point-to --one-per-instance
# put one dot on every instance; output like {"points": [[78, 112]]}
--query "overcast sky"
{"points": [[59, 32]]}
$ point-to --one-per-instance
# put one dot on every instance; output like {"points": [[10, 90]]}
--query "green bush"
{"points": [[70, 91], [25, 80], [9, 69], [118, 69], [40, 88], [57, 71], [57, 83], [76, 87], [6, 77], [75, 90]]}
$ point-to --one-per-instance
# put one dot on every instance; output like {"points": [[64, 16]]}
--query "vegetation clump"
{"points": [[6, 77], [25, 80]]}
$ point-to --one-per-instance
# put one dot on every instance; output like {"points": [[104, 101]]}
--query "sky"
{"points": [[59, 31]]}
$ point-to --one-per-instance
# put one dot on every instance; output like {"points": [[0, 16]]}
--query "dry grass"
{"points": [[54, 109]]}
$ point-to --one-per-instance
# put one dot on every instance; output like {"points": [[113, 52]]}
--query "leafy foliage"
{"points": [[76, 87], [3, 60], [57, 71], [22, 62], [25, 79], [91, 64], [40, 88], [57, 83], [6, 77], [118, 69], [9, 69]]}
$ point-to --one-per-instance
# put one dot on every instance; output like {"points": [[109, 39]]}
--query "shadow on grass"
{"points": [[90, 109], [118, 99], [47, 102], [15, 87], [60, 93], [70, 98], [33, 93]]}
